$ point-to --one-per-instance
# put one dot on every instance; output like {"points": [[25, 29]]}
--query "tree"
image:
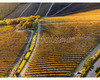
{"points": [[28, 24], [89, 64], [97, 70]]}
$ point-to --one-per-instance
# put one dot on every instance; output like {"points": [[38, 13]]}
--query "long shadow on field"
{"points": [[48, 29], [79, 7]]}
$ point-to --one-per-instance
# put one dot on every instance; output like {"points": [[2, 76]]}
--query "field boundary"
{"points": [[33, 52], [26, 56], [27, 46]]}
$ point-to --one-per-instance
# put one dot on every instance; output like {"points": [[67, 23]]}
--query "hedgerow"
{"points": [[20, 20], [88, 66], [27, 24]]}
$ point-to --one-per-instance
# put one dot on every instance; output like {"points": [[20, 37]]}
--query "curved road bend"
{"points": [[93, 52]]}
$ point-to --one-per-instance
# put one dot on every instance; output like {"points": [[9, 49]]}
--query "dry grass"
{"points": [[55, 57], [7, 8], [90, 12], [11, 44], [78, 18]]}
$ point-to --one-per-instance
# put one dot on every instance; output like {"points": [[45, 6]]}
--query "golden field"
{"points": [[89, 12], [75, 18], [62, 47], [13, 41], [91, 15], [11, 45]]}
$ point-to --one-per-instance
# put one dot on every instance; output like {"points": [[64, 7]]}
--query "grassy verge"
{"points": [[26, 57]]}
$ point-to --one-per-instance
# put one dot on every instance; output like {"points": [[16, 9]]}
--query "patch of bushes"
{"points": [[20, 20], [2, 22], [12, 21], [88, 66], [27, 24], [18, 26], [97, 70]]}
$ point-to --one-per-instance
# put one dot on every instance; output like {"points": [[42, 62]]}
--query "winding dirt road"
{"points": [[93, 52], [33, 52]]}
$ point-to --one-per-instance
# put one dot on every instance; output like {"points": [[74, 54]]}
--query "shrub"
{"points": [[38, 16], [18, 26], [22, 21], [89, 64], [36, 20], [12, 21], [28, 24], [97, 70], [32, 18], [2, 22]]}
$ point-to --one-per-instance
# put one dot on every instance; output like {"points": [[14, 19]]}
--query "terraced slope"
{"points": [[63, 45], [11, 45]]}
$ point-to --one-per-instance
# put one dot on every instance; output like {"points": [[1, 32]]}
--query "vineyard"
{"points": [[34, 46], [11, 44], [13, 41], [61, 47]]}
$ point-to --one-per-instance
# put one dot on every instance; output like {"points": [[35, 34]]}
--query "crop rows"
{"points": [[11, 45], [60, 59]]}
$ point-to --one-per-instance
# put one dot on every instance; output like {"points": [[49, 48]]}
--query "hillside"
{"points": [[6, 9], [64, 42], [14, 36], [73, 8], [50, 46]]}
